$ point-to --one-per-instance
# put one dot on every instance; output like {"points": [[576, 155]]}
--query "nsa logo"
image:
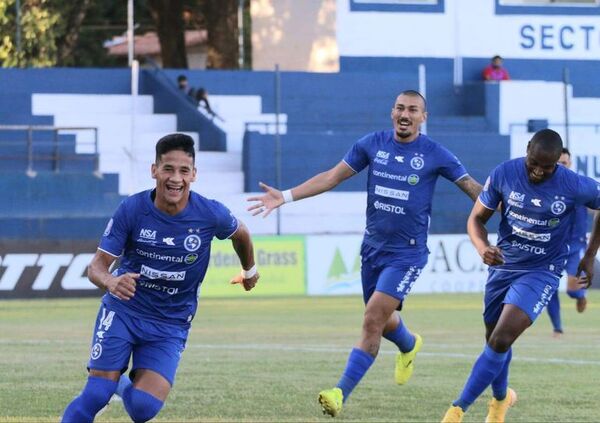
{"points": [[147, 234]]}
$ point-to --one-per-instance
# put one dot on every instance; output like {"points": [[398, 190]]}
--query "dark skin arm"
{"points": [[478, 233], [470, 187], [586, 265], [123, 286], [242, 244]]}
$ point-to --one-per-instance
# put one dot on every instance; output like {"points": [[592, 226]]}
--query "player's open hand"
{"points": [[248, 284], [492, 256], [585, 272], [266, 203], [123, 286]]}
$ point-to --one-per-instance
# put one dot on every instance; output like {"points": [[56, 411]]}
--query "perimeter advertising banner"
{"points": [[51, 269]]}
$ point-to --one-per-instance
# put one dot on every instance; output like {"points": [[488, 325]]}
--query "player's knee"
{"points": [[140, 405], [499, 342]]}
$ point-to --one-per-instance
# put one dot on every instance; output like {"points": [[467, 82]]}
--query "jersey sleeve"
{"points": [[358, 155], [116, 233], [588, 192], [226, 222], [450, 167], [491, 195]]}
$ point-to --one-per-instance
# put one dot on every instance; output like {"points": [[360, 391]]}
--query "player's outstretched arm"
{"points": [[470, 187], [324, 181], [242, 244], [478, 233], [586, 265], [123, 286]]}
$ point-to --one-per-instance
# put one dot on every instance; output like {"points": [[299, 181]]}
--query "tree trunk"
{"points": [[168, 16], [68, 41], [222, 27]]}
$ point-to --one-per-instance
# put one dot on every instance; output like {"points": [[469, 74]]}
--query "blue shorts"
{"points": [[387, 272], [528, 290], [573, 260], [153, 345]]}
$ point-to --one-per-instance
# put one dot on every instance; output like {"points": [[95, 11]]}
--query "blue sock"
{"points": [[95, 395], [140, 405], [358, 364], [124, 382], [554, 312], [486, 368], [500, 384], [401, 337], [578, 293]]}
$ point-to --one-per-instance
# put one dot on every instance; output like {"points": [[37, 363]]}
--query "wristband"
{"points": [[247, 274], [287, 196]]}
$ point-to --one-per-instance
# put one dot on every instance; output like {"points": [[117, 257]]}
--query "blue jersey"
{"points": [[400, 187], [578, 239], [171, 253], [536, 218]]}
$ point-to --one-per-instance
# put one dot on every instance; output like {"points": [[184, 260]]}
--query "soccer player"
{"points": [[539, 200], [577, 243], [403, 167], [163, 239]]}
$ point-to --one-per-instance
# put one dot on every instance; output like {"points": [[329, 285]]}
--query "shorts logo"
{"points": [[191, 258], [96, 351], [413, 179], [558, 207], [192, 243], [417, 162]]}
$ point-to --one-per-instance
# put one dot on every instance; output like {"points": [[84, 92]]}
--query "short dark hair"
{"points": [[415, 93], [181, 78], [566, 151], [548, 140], [497, 57], [175, 141]]}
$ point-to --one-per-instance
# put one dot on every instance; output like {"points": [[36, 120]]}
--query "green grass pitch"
{"points": [[265, 359]]}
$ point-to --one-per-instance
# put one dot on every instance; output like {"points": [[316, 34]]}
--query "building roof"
{"points": [[148, 44]]}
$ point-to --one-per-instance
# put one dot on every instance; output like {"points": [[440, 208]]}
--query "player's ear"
{"points": [[153, 170], [194, 175], [425, 115]]}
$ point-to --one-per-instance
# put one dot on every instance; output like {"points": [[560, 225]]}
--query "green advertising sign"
{"points": [[280, 261]]}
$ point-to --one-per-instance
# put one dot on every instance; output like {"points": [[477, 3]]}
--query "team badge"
{"points": [[558, 207], [417, 163], [96, 351], [192, 242]]}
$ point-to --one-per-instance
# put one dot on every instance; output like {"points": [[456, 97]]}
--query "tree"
{"points": [[168, 16], [73, 17], [37, 32], [222, 27]]}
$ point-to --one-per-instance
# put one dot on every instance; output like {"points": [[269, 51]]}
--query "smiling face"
{"points": [[174, 172], [407, 116], [540, 163]]}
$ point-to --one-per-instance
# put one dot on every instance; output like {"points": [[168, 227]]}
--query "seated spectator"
{"points": [[202, 100], [182, 84], [494, 71]]}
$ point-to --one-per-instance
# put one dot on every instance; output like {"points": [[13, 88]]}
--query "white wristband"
{"points": [[287, 196], [247, 274]]}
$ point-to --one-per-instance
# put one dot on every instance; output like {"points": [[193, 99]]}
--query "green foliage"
{"points": [[38, 34], [265, 360]]}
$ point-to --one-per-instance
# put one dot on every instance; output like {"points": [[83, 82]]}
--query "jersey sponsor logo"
{"points": [[401, 178], [530, 235], [515, 203], [417, 162], [190, 258], [382, 157], [161, 257], [157, 287], [413, 179], [392, 193], [553, 222], [536, 202], [529, 248], [192, 242], [399, 159], [390, 208], [169, 240], [516, 196], [558, 207], [147, 234], [151, 273], [530, 220], [108, 228]]}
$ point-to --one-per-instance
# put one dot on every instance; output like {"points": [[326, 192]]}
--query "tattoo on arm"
{"points": [[469, 186]]}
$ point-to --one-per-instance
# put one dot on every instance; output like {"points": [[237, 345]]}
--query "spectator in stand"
{"points": [[202, 100], [184, 87], [494, 71]]}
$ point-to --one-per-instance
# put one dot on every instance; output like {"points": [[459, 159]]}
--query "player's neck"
{"points": [[406, 140]]}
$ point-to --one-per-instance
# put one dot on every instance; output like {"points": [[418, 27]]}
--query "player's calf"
{"points": [[95, 395]]}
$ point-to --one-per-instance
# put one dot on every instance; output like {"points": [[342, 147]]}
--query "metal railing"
{"points": [[55, 156]]}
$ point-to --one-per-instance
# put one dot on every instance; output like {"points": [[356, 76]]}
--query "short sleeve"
{"points": [[449, 166], [491, 195], [116, 233], [358, 157], [226, 222], [588, 192]]}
